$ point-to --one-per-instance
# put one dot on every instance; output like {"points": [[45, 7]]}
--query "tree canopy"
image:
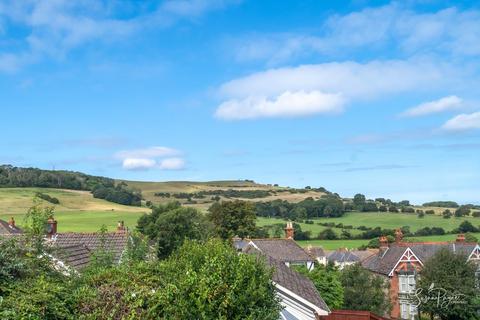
{"points": [[233, 218], [450, 276]]}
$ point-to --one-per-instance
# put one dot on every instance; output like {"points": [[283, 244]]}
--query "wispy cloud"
{"points": [[53, 28], [463, 122], [158, 157], [447, 31], [436, 106], [287, 104]]}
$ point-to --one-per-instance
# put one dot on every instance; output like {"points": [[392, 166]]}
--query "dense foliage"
{"points": [[230, 193], [441, 204], [327, 281], [120, 193], [101, 187], [327, 206], [170, 225], [233, 218], [32, 177], [364, 291], [47, 198], [206, 280], [448, 275]]}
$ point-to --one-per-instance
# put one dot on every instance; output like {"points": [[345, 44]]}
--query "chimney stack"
{"points": [[460, 238], [398, 235], [289, 231], [51, 227], [121, 226], [383, 242], [11, 222]]}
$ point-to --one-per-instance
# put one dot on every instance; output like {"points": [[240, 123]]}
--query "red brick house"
{"points": [[400, 263]]}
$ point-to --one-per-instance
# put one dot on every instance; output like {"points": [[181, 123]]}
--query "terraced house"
{"points": [[400, 263]]}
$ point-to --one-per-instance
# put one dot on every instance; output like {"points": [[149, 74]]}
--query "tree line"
{"points": [[101, 187]]}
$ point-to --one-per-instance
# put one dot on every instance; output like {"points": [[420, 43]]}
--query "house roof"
{"points": [[291, 280], [386, 259], [115, 242], [285, 250], [75, 256], [342, 256], [7, 229], [315, 252]]}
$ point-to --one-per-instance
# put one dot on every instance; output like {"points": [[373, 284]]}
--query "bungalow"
{"points": [[400, 263], [284, 250]]}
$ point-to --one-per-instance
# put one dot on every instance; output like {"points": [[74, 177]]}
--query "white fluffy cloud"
{"points": [[156, 157], [463, 122], [440, 105], [322, 88], [138, 164], [287, 104]]}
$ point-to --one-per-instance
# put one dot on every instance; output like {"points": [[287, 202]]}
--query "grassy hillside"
{"points": [[77, 211], [150, 188]]}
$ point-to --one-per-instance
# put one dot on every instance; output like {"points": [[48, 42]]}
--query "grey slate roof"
{"points": [[6, 229], [291, 280], [342, 256], [285, 250], [385, 260], [75, 256], [115, 242]]}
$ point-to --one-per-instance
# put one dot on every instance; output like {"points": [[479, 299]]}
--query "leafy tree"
{"points": [[299, 234], [211, 281], [476, 214], [369, 207], [233, 218], [462, 211], [449, 273], [327, 281], [170, 225], [327, 234], [447, 214], [392, 208], [467, 226], [421, 214], [359, 201], [364, 290]]}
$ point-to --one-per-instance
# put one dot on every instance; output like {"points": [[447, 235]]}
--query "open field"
{"points": [[77, 211], [353, 244], [381, 219]]}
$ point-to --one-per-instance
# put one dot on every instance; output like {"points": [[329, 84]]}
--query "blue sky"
{"points": [[357, 96]]}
